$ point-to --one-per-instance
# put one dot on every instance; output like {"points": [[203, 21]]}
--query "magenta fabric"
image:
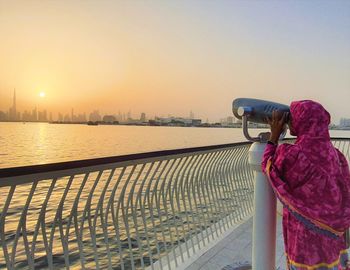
{"points": [[312, 180]]}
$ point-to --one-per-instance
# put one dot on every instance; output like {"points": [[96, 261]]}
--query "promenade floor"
{"points": [[236, 250]]}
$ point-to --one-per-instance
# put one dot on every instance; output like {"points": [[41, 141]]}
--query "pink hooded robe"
{"points": [[311, 178]]}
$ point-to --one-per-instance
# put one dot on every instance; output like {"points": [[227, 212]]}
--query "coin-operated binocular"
{"points": [[256, 110], [264, 224]]}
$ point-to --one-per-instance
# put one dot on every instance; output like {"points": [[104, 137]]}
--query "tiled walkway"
{"points": [[236, 249]]}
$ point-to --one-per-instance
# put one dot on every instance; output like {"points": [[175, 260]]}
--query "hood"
{"points": [[310, 119]]}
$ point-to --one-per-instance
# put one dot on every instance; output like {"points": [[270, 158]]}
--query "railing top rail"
{"points": [[68, 165], [95, 162]]}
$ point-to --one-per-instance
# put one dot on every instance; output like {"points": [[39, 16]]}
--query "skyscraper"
{"points": [[14, 102], [13, 109]]}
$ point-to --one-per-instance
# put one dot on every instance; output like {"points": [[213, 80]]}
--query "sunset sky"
{"points": [[171, 57]]}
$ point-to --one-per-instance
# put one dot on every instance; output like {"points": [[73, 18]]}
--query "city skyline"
{"points": [[13, 115], [34, 115], [169, 56]]}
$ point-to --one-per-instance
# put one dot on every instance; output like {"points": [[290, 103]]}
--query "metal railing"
{"points": [[150, 210]]}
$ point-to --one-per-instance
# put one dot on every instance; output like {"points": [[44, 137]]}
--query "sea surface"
{"points": [[40, 143]]}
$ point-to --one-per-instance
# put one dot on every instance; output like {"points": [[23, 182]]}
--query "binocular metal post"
{"points": [[264, 221]]}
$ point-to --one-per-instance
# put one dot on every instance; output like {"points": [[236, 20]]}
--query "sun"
{"points": [[42, 94]]}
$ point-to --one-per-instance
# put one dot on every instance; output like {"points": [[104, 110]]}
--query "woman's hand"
{"points": [[277, 124]]}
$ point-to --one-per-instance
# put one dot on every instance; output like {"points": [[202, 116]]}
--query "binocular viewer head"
{"points": [[256, 110]]}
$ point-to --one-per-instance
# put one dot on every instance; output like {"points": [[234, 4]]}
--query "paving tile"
{"points": [[194, 266], [237, 248], [210, 266]]}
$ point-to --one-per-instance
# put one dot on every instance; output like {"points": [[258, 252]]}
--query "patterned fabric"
{"points": [[312, 180]]}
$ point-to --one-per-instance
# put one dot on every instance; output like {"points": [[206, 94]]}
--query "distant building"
{"points": [[344, 122], [60, 117], [26, 116], [119, 117], [35, 115], [129, 116], [3, 116], [143, 117], [67, 118], [42, 116], [196, 122], [227, 122], [109, 119], [81, 118], [177, 121], [95, 116]]}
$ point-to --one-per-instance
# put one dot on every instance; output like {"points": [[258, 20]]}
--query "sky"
{"points": [[172, 57]]}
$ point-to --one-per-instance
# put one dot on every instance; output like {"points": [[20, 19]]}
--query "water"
{"points": [[40, 143]]}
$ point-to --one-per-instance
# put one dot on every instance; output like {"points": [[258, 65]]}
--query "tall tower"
{"points": [[14, 101], [191, 115], [13, 109]]}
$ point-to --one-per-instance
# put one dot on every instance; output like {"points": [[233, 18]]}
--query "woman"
{"points": [[312, 180]]}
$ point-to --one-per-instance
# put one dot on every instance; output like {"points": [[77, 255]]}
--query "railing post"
{"points": [[264, 221]]}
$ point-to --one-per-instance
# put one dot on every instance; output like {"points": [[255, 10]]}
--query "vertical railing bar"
{"points": [[226, 186], [245, 196], [184, 200], [239, 185], [22, 227], [240, 162], [347, 150], [171, 198], [222, 187], [187, 191], [243, 182], [110, 206], [125, 216], [199, 180], [216, 185], [59, 216], [158, 202], [73, 214], [41, 221], [150, 208], [87, 211], [212, 171], [167, 191], [134, 212], [99, 213], [2, 225], [234, 186], [153, 195], [175, 193], [189, 183], [250, 179], [209, 192], [143, 213]]}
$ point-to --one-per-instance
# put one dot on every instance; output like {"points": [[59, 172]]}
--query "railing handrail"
{"points": [[75, 164]]}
